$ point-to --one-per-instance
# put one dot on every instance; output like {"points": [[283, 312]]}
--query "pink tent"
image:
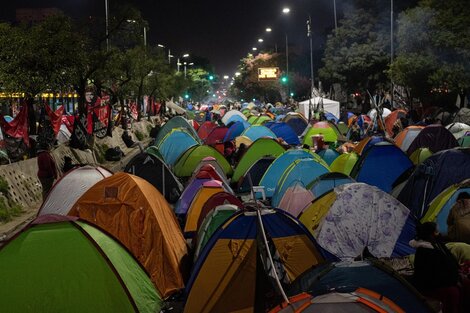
{"points": [[296, 199]]}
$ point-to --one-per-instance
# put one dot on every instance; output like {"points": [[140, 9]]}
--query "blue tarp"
{"points": [[284, 131]]}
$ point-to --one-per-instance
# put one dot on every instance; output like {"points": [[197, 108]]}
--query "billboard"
{"points": [[268, 73]]}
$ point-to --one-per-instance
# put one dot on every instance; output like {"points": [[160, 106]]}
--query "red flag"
{"points": [[133, 108], [68, 120], [18, 127], [55, 117]]}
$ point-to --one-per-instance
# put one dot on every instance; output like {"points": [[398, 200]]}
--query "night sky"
{"points": [[222, 31]]}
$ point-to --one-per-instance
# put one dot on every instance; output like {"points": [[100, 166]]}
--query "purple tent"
{"points": [[435, 137]]}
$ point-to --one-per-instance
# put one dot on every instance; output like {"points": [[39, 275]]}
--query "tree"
{"points": [[356, 55], [199, 84], [39, 58], [433, 55]]}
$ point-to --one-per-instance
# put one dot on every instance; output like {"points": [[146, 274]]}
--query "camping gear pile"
{"points": [[258, 212]]}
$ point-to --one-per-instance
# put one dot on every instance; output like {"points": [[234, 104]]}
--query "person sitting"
{"points": [[436, 272], [458, 221]]}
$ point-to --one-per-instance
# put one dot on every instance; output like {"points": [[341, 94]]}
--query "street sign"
{"points": [[268, 73]]}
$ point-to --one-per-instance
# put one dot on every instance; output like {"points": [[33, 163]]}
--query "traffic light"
{"points": [[211, 77], [291, 94], [186, 96], [284, 79]]}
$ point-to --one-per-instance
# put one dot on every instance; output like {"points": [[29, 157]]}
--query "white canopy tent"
{"points": [[330, 106]]}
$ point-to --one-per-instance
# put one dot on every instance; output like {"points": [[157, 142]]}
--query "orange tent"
{"points": [[135, 213], [406, 136], [391, 119]]}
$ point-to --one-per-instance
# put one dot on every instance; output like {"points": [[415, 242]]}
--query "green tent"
{"points": [[344, 163], [420, 155], [464, 141], [189, 161], [261, 120], [59, 264], [175, 122], [211, 223], [260, 148]]}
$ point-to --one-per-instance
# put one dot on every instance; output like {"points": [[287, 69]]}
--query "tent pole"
{"points": [[265, 241]]}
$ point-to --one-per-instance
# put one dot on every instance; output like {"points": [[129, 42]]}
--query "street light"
{"points": [[260, 40], [286, 11], [178, 62], [254, 48], [160, 46], [268, 29]]}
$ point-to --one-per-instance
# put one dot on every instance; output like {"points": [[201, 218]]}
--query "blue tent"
{"points": [[277, 168], [236, 129], [234, 119], [381, 165], [348, 276], [303, 170], [297, 122], [436, 173], [330, 117], [328, 182], [284, 131], [256, 131], [329, 155], [175, 144]]}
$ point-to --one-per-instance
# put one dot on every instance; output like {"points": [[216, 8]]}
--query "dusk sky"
{"points": [[222, 31]]}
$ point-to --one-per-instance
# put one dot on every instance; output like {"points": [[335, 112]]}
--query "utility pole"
{"points": [[107, 24], [309, 35]]}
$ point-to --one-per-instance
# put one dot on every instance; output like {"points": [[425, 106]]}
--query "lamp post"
{"points": [[309, 35], [107, 25], [334, 9], [286, 11], [391, 51], [178, 62], [269, 30]]}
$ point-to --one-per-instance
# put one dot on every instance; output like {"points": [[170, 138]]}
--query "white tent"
{"points": [[174, 107], [70, 187], [330, 106]]}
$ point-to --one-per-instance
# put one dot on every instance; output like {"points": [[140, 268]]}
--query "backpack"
{"points": [[114, 154]]}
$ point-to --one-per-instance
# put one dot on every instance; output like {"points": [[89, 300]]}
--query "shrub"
{"points": [[139, 135], [3, 186]]}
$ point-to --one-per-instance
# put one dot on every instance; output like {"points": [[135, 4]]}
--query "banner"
{"points": [[18, 127], [80, 133], [101, 114], [55, 117], [133, 110]]}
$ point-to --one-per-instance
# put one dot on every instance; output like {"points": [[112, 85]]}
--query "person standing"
{"points": [[47, 171]]}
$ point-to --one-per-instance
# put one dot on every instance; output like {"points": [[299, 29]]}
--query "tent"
{"points": [[216, 136], [243, 140], [329, 132], [153, 150], [63, 135], [284, 131], [260, 120], [156, 172], [260, 148], [255, 132], [277, 168], [368, 142], [360, 300], [296, 198], [296, 121], [135, 213], [344, 163], [303, 170], [233, 116], [189, 160], [327, 182], [175, 122], [220, 198], [392, 118], [370, 274], [193, 214], [173, 145], [229, 275], [329, 155], [420, 155], [70, 187], [463, 116], [60, 264], [205, 129], [381, 165], [235, 130], [440, 206], [435, 137], [354, 216], [254, 174], [406, 136], [436, 173], [217, 172], [465, 141], [328, 105], [211, 223], [458, 129]]}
